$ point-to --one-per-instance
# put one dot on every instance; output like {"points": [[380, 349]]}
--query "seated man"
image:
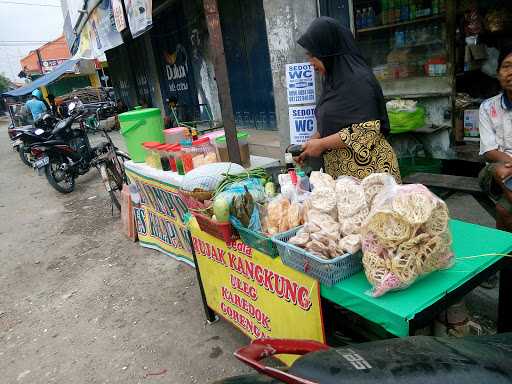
{"points": [[496, 142]]}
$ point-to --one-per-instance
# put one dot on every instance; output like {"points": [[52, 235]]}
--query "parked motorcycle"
{"points": [[68, 154], [418, 359], [24, 137]]}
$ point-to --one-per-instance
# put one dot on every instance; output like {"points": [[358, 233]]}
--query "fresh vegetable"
{"points": [[221, 209], [242, 207], [258, 173]]}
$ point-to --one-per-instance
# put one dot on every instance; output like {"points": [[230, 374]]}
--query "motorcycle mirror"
{"points": [[71, 107]]}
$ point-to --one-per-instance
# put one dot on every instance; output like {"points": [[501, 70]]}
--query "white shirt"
{"points": [[495, 125]]}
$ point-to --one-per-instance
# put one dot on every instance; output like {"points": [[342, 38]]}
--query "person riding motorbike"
{"points": [[35, 106]]}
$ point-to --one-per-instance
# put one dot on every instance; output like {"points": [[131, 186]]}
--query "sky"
{"points": [[24, 28]]}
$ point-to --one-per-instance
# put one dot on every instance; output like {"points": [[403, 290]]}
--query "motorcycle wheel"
{"points": [[24, 156], [60, 180]]}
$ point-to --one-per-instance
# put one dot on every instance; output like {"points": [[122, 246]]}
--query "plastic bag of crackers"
{"points": [[405, 236]]}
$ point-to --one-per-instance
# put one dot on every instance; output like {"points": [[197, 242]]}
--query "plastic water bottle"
{"points": [[304, 184], [364, 18], [358, 19], [371, 17]]}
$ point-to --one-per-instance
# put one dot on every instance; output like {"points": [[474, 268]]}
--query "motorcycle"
{"points": [[24, 137], [68, 154], [417, 359]]}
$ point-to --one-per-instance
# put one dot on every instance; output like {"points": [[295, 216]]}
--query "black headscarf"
{"points": [[351, 93]]}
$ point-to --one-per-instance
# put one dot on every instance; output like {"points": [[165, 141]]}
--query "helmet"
{"points": [[37, 93]]}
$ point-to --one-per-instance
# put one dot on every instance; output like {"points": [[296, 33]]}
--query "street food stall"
{"points": [[275, 252]]}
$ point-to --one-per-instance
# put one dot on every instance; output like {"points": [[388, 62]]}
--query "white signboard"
{"points": [[302, 123], [300, 82]]}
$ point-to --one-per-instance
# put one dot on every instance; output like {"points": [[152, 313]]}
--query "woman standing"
{"points": [[351, 114]]}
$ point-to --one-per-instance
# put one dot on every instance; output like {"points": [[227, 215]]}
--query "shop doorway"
{"points": [[250, 76]]}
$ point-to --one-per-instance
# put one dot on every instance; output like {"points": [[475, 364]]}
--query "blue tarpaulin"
{"points": [[67, 67]]}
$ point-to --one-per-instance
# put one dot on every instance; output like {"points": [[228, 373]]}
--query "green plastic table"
{"points": [[401, 312]]}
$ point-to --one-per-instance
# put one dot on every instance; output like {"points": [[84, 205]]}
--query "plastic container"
{"points": [[152, 154], [243, 144], [203, 152], [174, 135], [164, 156], [258, 241], [223, 231], [328, 272], [186, 155], [213, 135], [140, 126], [171, 150], [176, 154]]}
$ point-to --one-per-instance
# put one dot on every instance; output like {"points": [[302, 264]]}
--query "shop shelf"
{"points": [[328, 272], [401, 24]]}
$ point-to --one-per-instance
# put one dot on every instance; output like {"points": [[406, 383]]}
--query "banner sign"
{"points": [[117, 10], [300, 83], [256, 293], [139, 15], [104, 35], [302, 123], [160, 218], [99, 34], [50, 65]]}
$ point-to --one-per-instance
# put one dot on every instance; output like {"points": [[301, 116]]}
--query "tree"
{"points": [[4, 83]]}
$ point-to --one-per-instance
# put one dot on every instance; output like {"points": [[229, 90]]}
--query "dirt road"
{"points": [[79, 303]]}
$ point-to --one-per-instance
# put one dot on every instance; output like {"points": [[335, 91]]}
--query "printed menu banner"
{"points": [[160, 218], [256, 293], [139, 15], [300, 83]]}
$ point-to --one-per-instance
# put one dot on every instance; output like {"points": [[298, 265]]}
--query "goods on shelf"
{"points": [[405, 115], [406, 236]]}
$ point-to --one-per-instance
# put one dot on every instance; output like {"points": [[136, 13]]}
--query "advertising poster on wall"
{"points": [[300, 83], [139, 14], [258, 294], [302, 123]]}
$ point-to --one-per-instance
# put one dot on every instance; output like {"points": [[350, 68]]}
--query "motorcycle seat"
{"points": [[101, 146], [51, 142]]}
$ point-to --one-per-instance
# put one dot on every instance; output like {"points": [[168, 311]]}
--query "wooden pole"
{"points": [[211, 11]]}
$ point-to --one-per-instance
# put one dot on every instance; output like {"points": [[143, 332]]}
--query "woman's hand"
{"points": [[312, 148]]}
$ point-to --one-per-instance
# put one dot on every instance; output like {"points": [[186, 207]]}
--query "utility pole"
{"points": [[211, 11]]}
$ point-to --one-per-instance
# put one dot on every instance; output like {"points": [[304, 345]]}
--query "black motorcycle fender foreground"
{"points": [[412, 360]]}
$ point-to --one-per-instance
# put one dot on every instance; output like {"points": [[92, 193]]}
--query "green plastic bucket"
{"points": [[140, 126]]}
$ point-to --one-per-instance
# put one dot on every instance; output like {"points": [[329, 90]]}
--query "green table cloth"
{"points": [[394, 310]]}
